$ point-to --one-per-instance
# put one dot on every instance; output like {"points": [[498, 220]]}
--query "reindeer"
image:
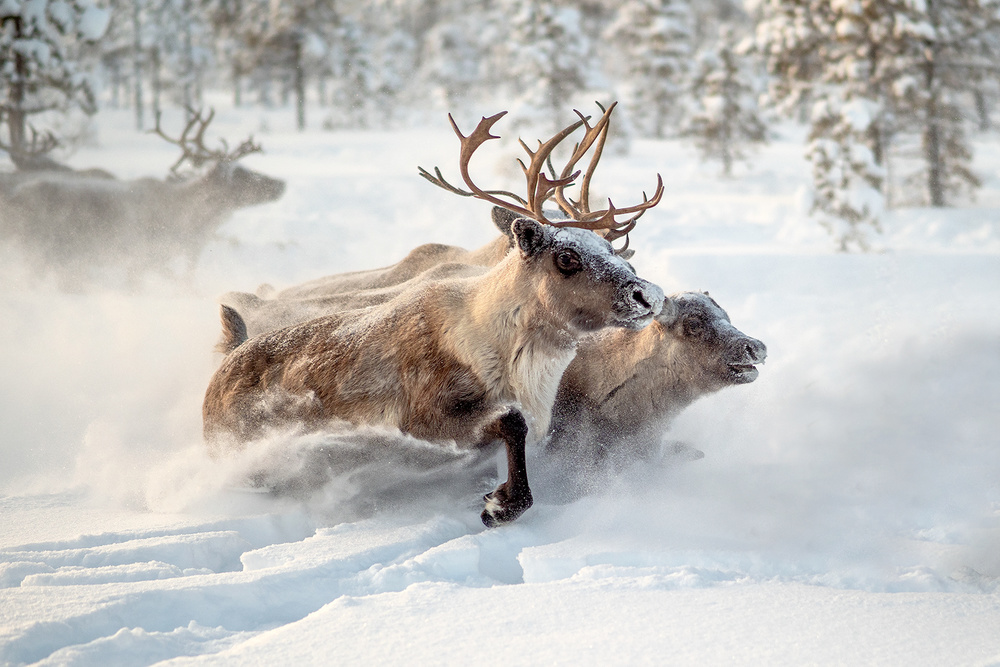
{"points": [[471, 360], [70, 221]]}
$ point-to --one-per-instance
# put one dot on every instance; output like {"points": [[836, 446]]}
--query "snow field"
{"points": [[847, 509]]}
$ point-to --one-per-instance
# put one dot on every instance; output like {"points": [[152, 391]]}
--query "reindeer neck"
{"points": [[608, 360], [637, 377], [527, 348]]}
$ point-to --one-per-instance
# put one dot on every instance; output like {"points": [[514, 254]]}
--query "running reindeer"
{"points": [[623, 388], [73, 221], [474, 360]]}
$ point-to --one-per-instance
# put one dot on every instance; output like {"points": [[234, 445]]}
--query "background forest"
{"points": [[891, 91]]}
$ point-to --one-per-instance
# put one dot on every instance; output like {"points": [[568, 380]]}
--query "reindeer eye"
{"points": [[694, 326], [568, 262]]}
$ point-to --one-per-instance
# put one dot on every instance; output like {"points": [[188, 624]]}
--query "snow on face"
{"points": [[590, 245]]}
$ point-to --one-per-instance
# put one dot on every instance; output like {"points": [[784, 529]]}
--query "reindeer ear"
{"points": [[503, 219], [529, 236]]}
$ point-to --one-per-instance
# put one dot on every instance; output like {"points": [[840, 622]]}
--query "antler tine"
{"points": [[469, 145], [598, 133], [438, 179], [608, 219], [540, 186], [246, 148], [602, 136], [182, 141]]}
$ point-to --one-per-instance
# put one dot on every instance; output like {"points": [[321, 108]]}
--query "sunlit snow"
{"points": [[847, 509]]}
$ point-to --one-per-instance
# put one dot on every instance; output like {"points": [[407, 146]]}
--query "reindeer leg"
{"points": [[513, 497]]}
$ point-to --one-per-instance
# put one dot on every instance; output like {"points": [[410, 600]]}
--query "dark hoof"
{"points": [[501, 508]]}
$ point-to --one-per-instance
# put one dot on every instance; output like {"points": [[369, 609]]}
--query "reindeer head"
{"points": [[723, 354], [578, 276], [234, 185]]}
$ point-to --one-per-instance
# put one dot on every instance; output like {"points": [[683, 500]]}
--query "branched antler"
{"points": [[193, 148], [541, 187]]}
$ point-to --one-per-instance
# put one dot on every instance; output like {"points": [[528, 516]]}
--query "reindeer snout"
{"points": [[751, 349], [757, 350], [642, 301]]}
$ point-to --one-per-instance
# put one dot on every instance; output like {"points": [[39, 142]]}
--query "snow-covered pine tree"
{"points": [[288, 42], [547, 59], [724, 119], [836, 60], [394, 61], [39, 72], [920, 63], [847, 180], [944, 50], [653, 40], [352, 76], [452, 52]]}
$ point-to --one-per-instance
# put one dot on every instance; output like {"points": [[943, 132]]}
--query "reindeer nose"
{"points": [[755, 350], [648, 296]]}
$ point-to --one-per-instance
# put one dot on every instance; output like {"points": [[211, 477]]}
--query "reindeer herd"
{"points": [[545, 337]]}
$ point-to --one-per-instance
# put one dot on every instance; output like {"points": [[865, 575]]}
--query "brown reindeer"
{"points": [[69, 221], [622, 390], [473, 360]]}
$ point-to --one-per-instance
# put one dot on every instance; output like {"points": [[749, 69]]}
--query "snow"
{"points": [[93, 23], [847, 509]]}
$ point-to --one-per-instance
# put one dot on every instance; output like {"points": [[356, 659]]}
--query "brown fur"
{"points": [[418, 261]]}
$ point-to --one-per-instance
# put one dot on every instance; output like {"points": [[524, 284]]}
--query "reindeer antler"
{"points": [[541, 187], [193, 148]]}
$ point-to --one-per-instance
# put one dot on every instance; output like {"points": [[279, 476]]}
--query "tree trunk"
{"points": [[15, 95], [300, 87], [188, 74], [932, 144], [154, 67], [237, 86], [140, 106], [982, 110], [932, 129]]}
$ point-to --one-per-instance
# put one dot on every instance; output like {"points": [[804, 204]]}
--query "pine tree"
{"points": [[40, 45], [653, 39], [353, 77], [725, 118]]}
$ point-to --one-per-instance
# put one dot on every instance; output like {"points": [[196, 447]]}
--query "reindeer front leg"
{"points": [[513, 497]]}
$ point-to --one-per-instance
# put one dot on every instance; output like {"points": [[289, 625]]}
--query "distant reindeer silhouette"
{"points": [[70, 222]]}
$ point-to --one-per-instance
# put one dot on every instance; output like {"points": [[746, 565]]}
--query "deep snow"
{"points": [[847, 510]]}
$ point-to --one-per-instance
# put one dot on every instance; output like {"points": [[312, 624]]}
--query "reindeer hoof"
{"points": [[503, 507]]}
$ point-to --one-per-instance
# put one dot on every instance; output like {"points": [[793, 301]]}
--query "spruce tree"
{"points": [[724, 118], [547, 58], [653, 47], [40, 71]]}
